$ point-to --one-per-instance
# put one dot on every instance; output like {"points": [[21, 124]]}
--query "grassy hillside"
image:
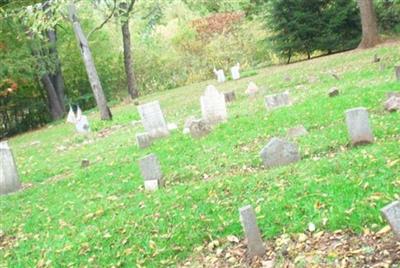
{"points": [[102, 217]]}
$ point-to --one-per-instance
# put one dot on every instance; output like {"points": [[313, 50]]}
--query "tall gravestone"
{"points": [[249, 223], [213, 106], [358, 126], [220, 75], [279, 152], [151, 172], [392, 214], [277, 100], [235, 72], [153, 120], [9, 179]]}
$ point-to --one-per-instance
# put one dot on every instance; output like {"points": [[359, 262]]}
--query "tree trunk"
{"points": [[130, 75], [55, 107], [56, 77], [370, 35], [94, 80]]}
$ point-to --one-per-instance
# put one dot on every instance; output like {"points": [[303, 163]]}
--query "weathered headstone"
{"points": [[248, 219], [220, 75], [392, 214], [277, 100], [397, 73], [392, 104], [9, 178], [358, 126], [213, 107], [279, 152], [82, 124], [297, 131], [235, 72], [333, 92], [252, 89], [153, 120], [376, 58], [85, 163], [230, 96], [143, 140], [199, 128], [187, 124], [151, 171]]}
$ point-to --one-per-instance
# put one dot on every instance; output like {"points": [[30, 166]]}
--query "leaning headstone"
{"points": [[82, 125], [235, 72], [392, 214], [358, 126], [151, 171], [199, 128], [252, 89], [213, 107], [333, 92], [392, 104], [9, 178], [143, 140], [153, 120], [279, 152], [398, 73], [230, 96], [248, 219], [220, 75], [277, 100], [297, 131]]}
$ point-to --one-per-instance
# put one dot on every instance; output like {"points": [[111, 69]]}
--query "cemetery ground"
{"points": [[100, 215]]}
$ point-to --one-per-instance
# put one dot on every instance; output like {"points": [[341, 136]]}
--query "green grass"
{"points": [[101, 216]]}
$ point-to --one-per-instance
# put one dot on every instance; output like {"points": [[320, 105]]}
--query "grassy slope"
{"points": [[100, 216]]}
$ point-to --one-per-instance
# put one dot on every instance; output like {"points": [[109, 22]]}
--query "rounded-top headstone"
{"points": [[9, 179], [358, 126], [279, 152]]}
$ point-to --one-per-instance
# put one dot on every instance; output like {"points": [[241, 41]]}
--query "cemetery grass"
{"points": [[100, 216]]}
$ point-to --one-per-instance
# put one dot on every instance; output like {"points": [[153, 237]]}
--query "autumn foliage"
{"points": [[217, 24]]}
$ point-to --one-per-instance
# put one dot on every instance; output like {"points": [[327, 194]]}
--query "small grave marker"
{"points": [[279, 152], [85, 163], [252, 232], [333, 92], [358, 126], [151, 171], [297, 131], [82, 124], [230, 96], [252, 89], [235, 72], [153, 120], [213, 107], [9, 178], [143, 140], [392, 214], [199, 128], [277, 100]]}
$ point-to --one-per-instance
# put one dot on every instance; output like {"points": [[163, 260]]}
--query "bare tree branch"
{"points": [[105, 21]]}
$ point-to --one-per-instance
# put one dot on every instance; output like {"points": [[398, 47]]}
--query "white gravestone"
{"points": [[82, 124], [9, 179], [249, 223], [252, 89], [71, 118], [153, 120], [220, 75], [358, 126], [213, 107], [278, 100], [235, 72]]}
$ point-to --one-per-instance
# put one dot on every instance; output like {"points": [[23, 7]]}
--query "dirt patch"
{"points": [[6, 241], [321, 249]]}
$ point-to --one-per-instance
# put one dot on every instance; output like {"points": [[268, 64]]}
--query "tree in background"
{"points": [[370, 35]]}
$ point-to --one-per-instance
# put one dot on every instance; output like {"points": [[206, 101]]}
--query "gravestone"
{"points": [[220, 75], [143, 140], [248, 219], [376, 58], [279, 152], [172, 126], [333, 92], [230, 96], [85, 163], [153, 120], [235, 72], [297, 131], [71, 118], [151, 171], [392, 104], [151, 185], [82, 124], [398, 73], [9, 178], [392, 214], [358, 126], [187, 124], [252, 89], [199, 128], [277, 100], [213, 107]]}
